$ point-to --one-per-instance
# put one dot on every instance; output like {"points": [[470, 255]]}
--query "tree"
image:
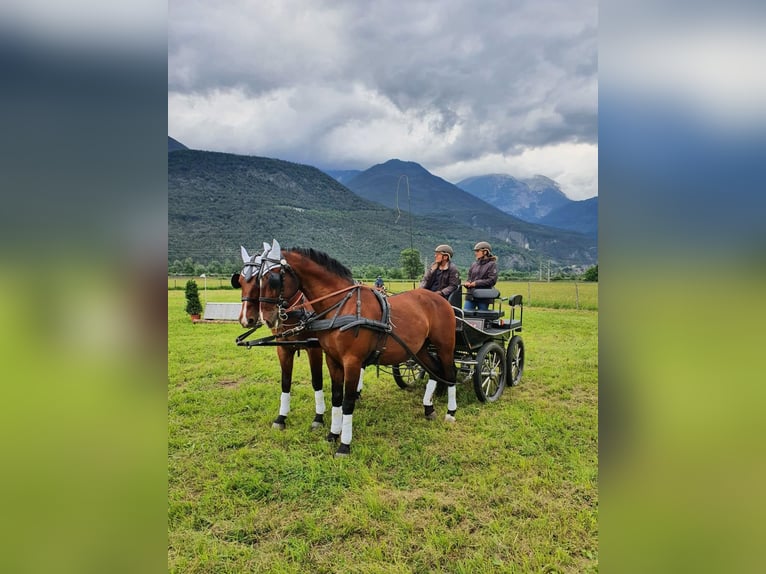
{"points": [[591, 274], [193, 305], [188, 266], [409, 260]]}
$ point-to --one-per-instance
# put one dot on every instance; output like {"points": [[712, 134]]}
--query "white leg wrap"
{"points": [[337, 417], [451, 398], [361, 381], [345, 435], [319, 401], [284, 404], [428, 396]]}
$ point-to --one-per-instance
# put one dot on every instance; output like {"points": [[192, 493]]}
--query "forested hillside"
{"points": [[218, 201]]}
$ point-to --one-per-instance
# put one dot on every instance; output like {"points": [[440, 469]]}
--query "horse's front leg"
{"points": [[286, 359], [336, 377], [315, 363], [351, 373]]}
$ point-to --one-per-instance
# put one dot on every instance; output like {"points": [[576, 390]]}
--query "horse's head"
{"points": [[279, 287], [248, 280]]}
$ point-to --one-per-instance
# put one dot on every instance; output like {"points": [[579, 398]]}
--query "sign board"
{"points": [[222, 311]]}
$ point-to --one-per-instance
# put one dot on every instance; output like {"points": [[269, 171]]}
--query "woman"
{"points": [[481, 275], [443, 277]]}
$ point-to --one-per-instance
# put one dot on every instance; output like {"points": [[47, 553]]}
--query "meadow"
{"points": [[511, 487]]}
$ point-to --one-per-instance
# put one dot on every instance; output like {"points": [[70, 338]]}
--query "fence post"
{"points": [[529, 293]]}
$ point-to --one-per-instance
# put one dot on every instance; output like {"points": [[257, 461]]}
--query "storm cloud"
{"points": [[463, 88]]}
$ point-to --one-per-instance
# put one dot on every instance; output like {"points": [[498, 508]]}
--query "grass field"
{"points": [[511, 487]]}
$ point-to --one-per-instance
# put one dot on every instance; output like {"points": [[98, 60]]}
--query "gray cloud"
{"points": [[444, 82]]}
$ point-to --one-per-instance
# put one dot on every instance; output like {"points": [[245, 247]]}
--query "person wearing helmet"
{"points": [[481, 275], [442, 277]]}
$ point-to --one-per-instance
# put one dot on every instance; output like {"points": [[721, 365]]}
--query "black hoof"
{"points": [[332, 437], [343, 450], [279, 423], [430, 412], [276, 425], [318, 422]]}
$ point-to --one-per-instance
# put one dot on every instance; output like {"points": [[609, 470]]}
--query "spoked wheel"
{"points": [[489, 375], [515, 360], [409, 375]]}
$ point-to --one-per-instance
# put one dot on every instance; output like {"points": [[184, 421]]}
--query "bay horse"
{"points": [[356, 327], [248, 281]]}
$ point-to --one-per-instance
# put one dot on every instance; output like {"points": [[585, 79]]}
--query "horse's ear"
{"points": [[235, 281], [245, 256]]}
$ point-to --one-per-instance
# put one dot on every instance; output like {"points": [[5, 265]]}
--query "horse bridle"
{"points": [[277, 280]]}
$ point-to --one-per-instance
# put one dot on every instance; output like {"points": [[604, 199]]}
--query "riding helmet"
{"points": [[444, 249], [482, 245]]}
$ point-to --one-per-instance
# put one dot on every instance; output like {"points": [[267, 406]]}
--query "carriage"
{"points": [[489, 351]]}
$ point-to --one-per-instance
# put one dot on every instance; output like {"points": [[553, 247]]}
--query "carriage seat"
{"points": [[492, 294]]}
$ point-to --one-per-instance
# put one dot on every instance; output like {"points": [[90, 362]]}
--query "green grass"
{"points": [[512, 487]]}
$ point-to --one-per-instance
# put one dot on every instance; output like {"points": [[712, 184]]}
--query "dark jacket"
{"points": [[484, 272], [443, 281]]}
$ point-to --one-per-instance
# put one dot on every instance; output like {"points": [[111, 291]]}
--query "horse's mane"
{"points": [[324, 260]]}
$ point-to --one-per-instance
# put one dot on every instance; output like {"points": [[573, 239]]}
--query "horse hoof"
{"points": [[431, 416], [332, 437], [316, 425], [280, 426], [448, 418], [343, 450]]}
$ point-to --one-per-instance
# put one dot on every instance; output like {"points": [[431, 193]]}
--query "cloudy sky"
{"points": [[463, 88]]}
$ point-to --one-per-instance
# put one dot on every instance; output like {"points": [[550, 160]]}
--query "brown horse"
{"points": [[356, 327], [248, 281]]}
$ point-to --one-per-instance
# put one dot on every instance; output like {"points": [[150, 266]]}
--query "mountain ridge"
{"points": [[218, 201]]}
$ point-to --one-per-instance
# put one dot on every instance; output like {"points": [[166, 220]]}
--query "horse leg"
{"points": [[447, 365], [446, 370], [360, 385], [351, 373], [428, 400], [336, 376], [315, 362], [286, 358], [428, 395], [451, 404]]}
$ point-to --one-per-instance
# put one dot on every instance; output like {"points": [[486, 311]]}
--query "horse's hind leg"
{"points": [[286, 358], [315, 363], [446, 358], [446, 369], [428, 395]]}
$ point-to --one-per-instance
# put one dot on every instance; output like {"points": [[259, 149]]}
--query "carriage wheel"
{"points": [[515, 360], [409, 375], [489, 375]]}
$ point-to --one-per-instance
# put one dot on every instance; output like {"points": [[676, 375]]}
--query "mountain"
{"points": [[175, 145], [343, 175], [219, 201], [401, 185], [528, 199], [580, 216]]}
